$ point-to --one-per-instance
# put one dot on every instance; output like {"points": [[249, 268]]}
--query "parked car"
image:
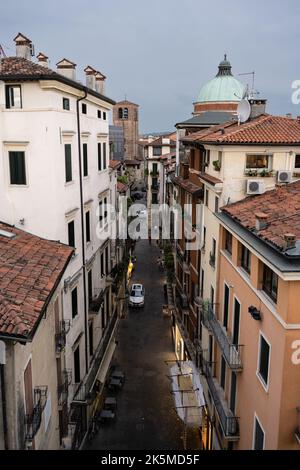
{"points": [[137, 296]]}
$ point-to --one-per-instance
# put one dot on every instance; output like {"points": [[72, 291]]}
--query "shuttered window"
{"points": [[17, 168], [85, 160], [68, 162]]}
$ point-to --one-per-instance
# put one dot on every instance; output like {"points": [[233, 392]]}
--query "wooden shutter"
{"points": [[68, 162]]}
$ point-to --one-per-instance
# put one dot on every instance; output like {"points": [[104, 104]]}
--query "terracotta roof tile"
{"points": [[187, 185], [114, 164], [30, 268], [264, 129], [121, 187], [282, 207]]}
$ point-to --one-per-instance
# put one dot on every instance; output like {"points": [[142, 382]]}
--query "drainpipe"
{"points": [[82, 232]]}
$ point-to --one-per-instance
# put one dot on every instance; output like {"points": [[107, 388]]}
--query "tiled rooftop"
{"points": [[187, 185], [121, 187], [30, 268], [265, 129], [114, 164], [282, 208]]}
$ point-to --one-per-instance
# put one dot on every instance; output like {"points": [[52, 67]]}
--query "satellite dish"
{"points": [[243, 110]]}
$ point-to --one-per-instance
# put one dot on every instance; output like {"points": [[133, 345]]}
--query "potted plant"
{"points": [[217, 165]]}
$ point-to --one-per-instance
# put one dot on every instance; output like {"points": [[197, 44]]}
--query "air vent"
{"points": [[284, 176]]}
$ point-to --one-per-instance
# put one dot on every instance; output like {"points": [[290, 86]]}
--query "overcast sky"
{"points": [[160, 52]]}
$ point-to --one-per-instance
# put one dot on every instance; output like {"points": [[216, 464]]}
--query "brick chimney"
{"points": [[261, 221], [258, 107], [67, 68], [42, 59], [100, 79], [24, 46], [289, 241], [90, 77]]}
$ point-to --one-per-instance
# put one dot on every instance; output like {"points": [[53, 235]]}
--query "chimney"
{"points": [[100, 79], [90, 77], [42, 59], [261, 221], [67, 68], [289, 115], [258, 107], [289, 241], [24, 46]]}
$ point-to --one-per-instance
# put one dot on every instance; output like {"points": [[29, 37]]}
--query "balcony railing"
{"points": [[60, 337], [229, 422], [63, 387], [84, 390], [34, 419], [231, 352]]}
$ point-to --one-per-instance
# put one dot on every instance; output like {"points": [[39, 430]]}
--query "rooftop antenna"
{"points": [[252, 92]]}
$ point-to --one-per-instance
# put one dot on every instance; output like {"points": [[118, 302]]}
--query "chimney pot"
{"points": [[66, 68], [261, 221], [258, 107], [100, 79], [289, 115], [42, 59], [290, 240], [24, 46]]}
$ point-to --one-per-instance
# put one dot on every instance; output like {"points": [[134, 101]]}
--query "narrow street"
{"points": [[146, 418]]}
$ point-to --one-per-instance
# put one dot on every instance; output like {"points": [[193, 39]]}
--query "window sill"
{"points": [[69, 183], [21, 186], [261, 380]]}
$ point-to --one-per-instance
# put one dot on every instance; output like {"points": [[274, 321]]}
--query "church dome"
{"points": [[223, 88]]}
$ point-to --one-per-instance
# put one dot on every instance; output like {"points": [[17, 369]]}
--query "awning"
{"points": [[188, 392]]}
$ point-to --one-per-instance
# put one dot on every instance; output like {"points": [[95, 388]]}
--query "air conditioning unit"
{"points": [[284, 176], [255, 187]]}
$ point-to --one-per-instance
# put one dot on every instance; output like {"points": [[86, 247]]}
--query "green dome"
{"points": [[224, 87]]}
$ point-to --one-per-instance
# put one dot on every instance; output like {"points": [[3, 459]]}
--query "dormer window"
{"points": [[13, 97]]}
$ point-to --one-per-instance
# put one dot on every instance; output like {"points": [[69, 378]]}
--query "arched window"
{"points": [[125, 113], [120, 113]]}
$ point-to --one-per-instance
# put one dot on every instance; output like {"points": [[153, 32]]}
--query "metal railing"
{"points": [[84, 390], [60, 337], [229, 422], [34, 419], [231, 352]]}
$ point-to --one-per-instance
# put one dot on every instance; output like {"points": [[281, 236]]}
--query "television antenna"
{"points": [[250, 93]]}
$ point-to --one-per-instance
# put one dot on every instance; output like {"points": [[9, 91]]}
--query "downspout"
{"points": [[82, 232]]}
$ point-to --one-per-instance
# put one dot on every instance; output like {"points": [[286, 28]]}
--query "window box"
{"points": [[259, 173]]}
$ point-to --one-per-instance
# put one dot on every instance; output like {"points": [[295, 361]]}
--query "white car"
{"points": [[137, 296]]}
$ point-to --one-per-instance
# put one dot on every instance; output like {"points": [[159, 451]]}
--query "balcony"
{"points": [[228, 421], [231, 352], [63, 387], [60, 337], [34, 419], [84, 391]]}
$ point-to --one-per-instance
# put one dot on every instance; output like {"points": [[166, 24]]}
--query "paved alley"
{"points": [[146, 418]]}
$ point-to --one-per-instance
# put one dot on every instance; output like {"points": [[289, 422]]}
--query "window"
{"points": [[17, 168], [84, 108], [156, 151], [259, 436], [66, 104], [154, 198], [258, 162], [226, 306], [74, 296], [154, 169], [120, 111], [71, 234], [236, 323], [85, 160], [88, 226], [90, 285], [104, 115], [228, 242], [212, 255], [206, 197], [216, 204], [246, 259], [233, 392], [297, 161], [91, 339], [125, 113], [99, 113], [207, 157], [212, 296], [270, 283], [202, 283], [13, 96], [102, 265], [106, 261], [68, 162], [99, 157], [77, 365], [105, 210], [101, 214], [204, 237], [223, 373], [104, 155], [263, 362]]}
